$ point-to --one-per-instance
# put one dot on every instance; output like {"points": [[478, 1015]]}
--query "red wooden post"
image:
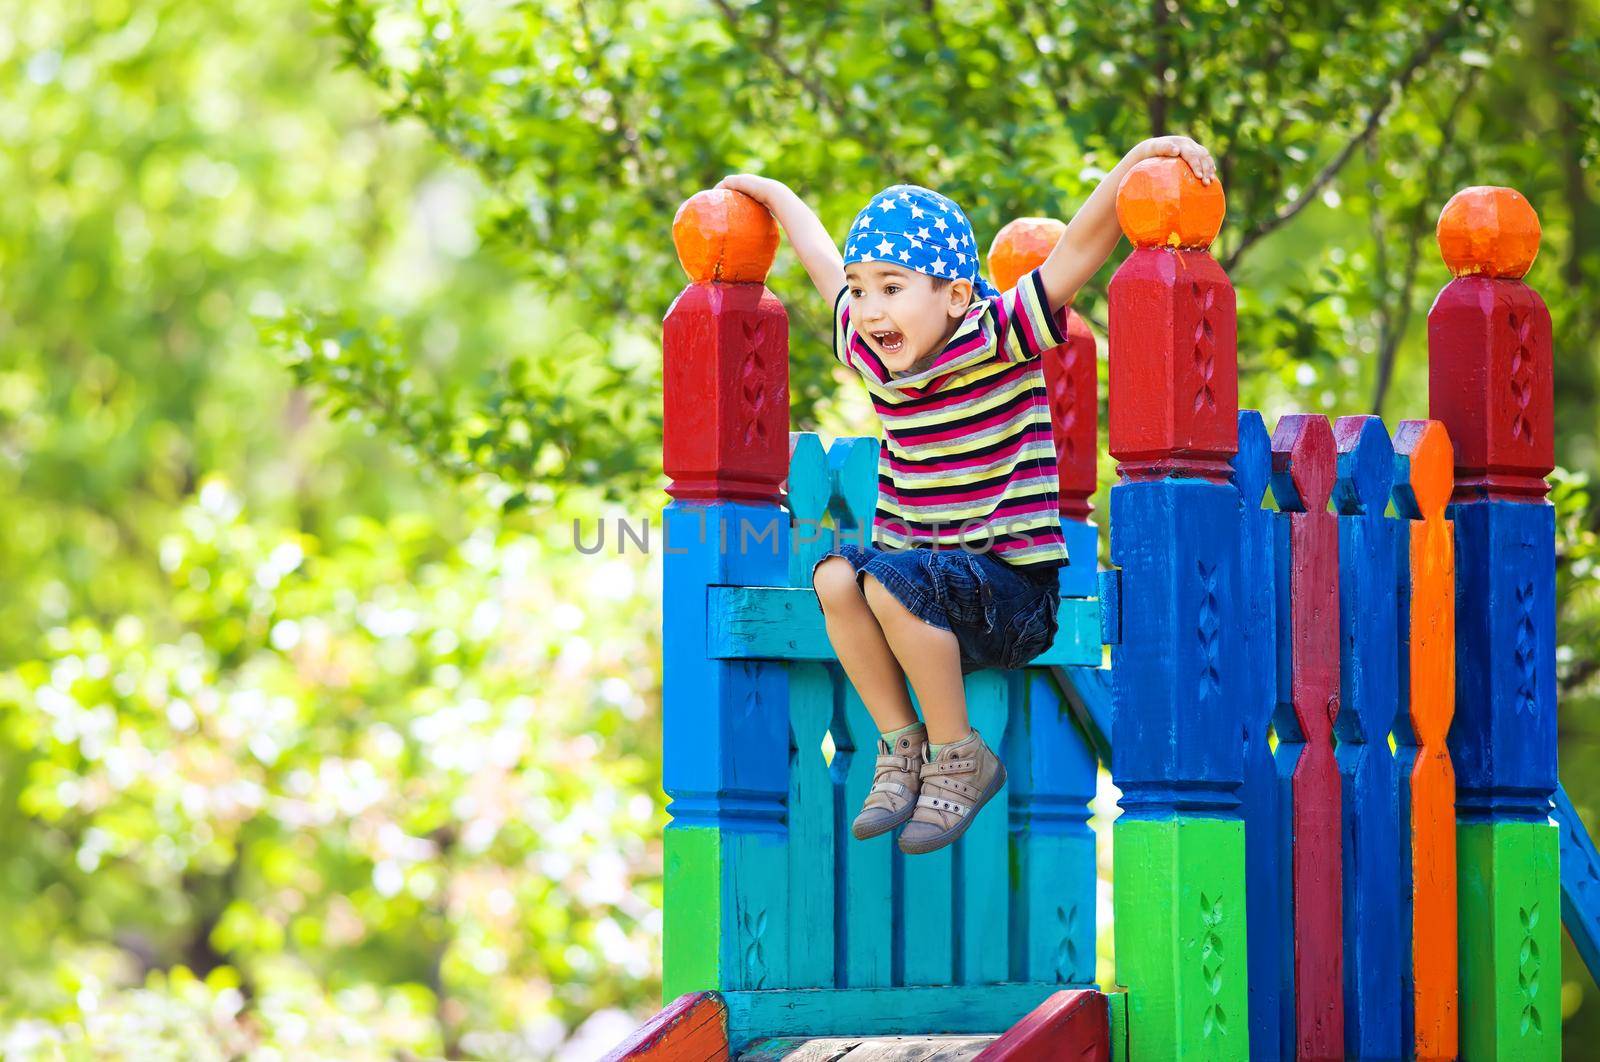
{"points": [[1071, 373], [1303, 474], [726, 374], [1174, 376], [1491, 383], [693, 1026], [1074, 1023]]}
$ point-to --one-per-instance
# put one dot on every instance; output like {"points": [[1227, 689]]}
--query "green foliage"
{"points": [[322, 321]]}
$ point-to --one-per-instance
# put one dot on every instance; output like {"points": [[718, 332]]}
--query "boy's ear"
{"points": [[960, 292]]}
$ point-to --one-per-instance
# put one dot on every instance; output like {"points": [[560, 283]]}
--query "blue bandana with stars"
{"points": [[917, 228]]}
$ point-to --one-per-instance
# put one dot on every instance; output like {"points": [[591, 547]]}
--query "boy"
{"points": [[954, 373]]}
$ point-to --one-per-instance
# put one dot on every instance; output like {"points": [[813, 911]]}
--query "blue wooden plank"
{"points": [[982, 885], [1369, 677], [1087, 694], [785, 623], [726, 747], [1252, 467], [812, 822], [882, 1011], [1052, 779], [1176, 744], [1078, 575], [1580, 882], [865, 869], [1503, 739]]}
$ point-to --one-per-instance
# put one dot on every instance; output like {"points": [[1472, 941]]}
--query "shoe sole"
{"points": [[952, 835], [881, 830]]}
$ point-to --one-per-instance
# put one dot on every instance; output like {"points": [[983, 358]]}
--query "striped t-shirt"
{"points": [[967, 455]]}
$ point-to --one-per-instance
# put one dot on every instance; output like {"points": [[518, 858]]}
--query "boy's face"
{"points": [[901, 316]]}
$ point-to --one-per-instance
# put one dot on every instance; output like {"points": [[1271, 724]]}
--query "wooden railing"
{"points": [[1332, 702]]}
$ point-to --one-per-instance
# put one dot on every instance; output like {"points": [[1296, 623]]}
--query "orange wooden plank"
{"points": [[1432, 694]]}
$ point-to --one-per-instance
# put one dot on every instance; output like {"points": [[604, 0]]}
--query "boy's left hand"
{"points": [[1198, 158]]}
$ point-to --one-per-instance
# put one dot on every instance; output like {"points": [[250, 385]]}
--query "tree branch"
{"points": [[1378, 110], [767, 47]]}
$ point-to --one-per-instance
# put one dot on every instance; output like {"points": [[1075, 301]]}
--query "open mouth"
{"points": [[891, 342]]}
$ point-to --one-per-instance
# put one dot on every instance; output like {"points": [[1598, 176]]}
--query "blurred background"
{"points": [[322, 322]]}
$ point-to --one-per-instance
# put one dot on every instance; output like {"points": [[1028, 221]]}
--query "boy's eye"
{"points": [[891, 289], [855, 293]]}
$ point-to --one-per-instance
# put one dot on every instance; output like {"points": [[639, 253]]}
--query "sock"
{"points": [[895, 735], [933, 750]]}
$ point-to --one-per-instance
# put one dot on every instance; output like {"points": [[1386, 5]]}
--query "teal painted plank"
{"points": [[925, 930], [982, 882], [1052, 780], [785, 623], [811, 830], [866, 923], [881, 1011], [806, 496]]}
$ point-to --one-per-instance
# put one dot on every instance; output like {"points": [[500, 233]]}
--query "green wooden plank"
{"points": [[982, 853], [1180, 936], [1118, 1002], [881, 1011], [1509, 895], [692, 899], [785, 623], [812, 911]]}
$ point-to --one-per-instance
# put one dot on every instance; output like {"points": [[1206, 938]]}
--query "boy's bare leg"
{"points": [[860, 645], [931, 658]]}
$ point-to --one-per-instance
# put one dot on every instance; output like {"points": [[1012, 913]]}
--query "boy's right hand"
{"points": [[762, 189], [809, 239]]}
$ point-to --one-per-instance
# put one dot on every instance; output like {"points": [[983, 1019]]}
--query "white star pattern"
{"points": [[916, 211], [884, 247], [905, 256], [917, 244], [939, 224], [923, 232], [961, 258], [886, 206], [939, 265], [951, 240], [965, 239]]}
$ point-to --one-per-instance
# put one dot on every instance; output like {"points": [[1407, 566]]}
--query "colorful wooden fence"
{"points": [[769, 751], [1331, 709]]}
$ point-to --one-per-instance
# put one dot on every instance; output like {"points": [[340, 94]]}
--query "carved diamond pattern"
{"points": [[1522, 378], [1526, 669], [1209, 632], [1205, 349], [752, 379]]}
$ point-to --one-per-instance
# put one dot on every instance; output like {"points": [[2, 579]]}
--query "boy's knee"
{"points": [[835, 582]]}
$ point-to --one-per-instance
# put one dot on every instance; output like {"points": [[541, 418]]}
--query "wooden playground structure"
{"points": [[1330, 707]]}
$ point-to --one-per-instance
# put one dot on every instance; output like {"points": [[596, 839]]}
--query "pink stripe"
{"points": [[965, 497]]}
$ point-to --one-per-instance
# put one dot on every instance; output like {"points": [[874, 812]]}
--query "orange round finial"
{"points": [[725, 235], [1161, 203], [1020, 246], [1489, 231]]}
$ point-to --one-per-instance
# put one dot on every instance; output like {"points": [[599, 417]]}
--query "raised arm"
{"points": [[810, 240], [1093, 232]]}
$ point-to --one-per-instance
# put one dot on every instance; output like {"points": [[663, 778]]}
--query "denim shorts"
{"points": [[1001, 617]]}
